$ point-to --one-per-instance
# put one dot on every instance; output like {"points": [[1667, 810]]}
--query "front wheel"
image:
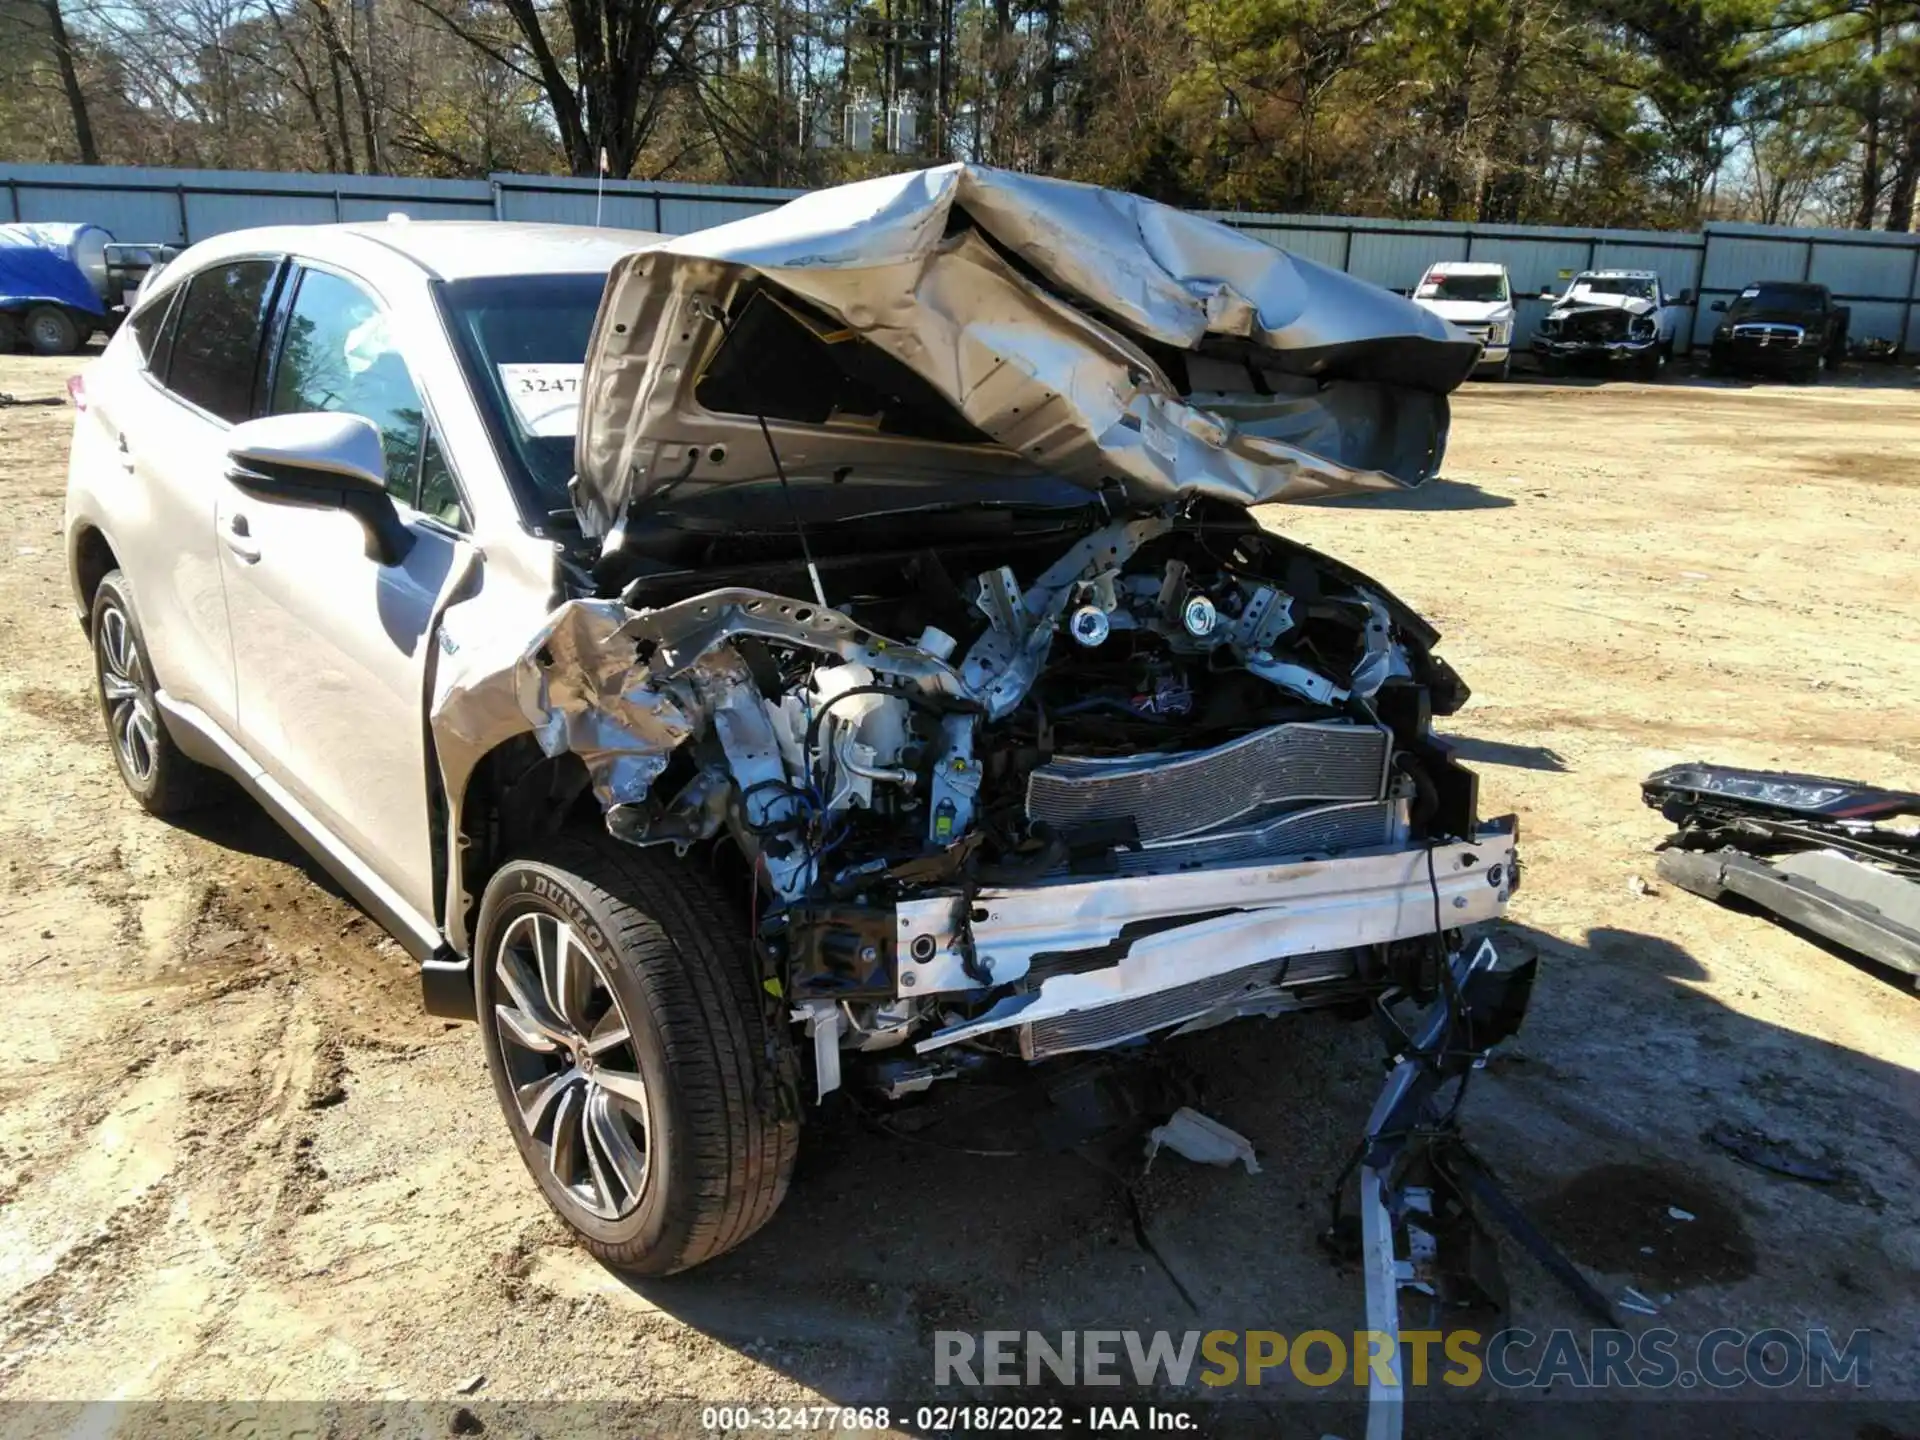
{"points": [[648, 1088]]}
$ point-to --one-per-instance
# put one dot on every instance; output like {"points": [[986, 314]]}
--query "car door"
{"points": [[1667, 314], [330, 645], [168, 423]]}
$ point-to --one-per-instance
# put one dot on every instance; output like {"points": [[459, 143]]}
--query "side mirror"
{"points": [[322, 459], [1548, 295], [1685, 297], [1718, 305]]}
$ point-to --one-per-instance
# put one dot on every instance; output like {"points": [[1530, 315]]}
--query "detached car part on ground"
{"points": [[933, 701], [1819, 853], [1780, 327], [1610, 317]]}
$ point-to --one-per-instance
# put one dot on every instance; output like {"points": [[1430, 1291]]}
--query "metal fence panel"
{"points": [[1532, 265], [575, 207], [1736, 261], [682, 215], [1876, 272], [1398, 258], [1875, 319], [1677, 267], [1879, 270], [413, 207], [210, 212], [1326, 244], [139, 215]]}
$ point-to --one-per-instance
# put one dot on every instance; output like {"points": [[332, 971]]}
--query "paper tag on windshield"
{"points": [[545, 398]]}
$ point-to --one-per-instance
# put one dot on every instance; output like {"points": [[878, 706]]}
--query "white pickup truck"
{"points": [[1611, 315], [1475, 296]]}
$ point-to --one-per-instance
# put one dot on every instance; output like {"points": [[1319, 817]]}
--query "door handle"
{"points": [[238, 538], [126, 455]]}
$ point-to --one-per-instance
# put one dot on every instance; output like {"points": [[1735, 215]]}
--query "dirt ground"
{"points": [[238, 1164]]}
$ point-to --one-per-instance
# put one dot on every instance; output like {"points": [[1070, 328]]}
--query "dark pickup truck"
{"points": [[1779, 327]]}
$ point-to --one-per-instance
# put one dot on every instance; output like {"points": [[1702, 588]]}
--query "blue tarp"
{"points": [[33, 275]]}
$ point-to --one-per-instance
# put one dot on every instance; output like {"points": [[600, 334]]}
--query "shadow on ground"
{"points": [[1437, 494], [1601, 1109], [1689, 375], [1502, 752], [238, 824]]}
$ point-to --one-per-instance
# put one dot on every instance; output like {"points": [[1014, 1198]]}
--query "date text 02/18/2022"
{"points": [[1008, 1419]]}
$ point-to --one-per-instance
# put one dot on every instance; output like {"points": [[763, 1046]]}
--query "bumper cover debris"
{"points": [[1815, 851]]}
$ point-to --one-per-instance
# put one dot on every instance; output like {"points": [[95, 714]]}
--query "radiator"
{"points": [[1316, 833], [1169, 796]]}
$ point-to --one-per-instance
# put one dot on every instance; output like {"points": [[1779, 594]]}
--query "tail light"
{"points": [[77, 391]]}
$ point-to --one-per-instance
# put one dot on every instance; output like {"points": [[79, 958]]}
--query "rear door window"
{"points": [[216, 341]]}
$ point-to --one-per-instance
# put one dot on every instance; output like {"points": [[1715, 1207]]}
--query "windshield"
{"points": [[523, 341], [1634, 287], [1793, 299], [1484, 289]]}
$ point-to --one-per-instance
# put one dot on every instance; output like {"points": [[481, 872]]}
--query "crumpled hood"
{"points": [[1072, 330], [1600, 300]]}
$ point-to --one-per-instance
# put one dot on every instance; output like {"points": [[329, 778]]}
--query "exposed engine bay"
{"points": [[1026, 774], [1050, 805]]}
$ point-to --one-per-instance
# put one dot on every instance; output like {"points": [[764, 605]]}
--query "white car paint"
{"points": [[1640, 292], [283, 652], [1488, 320]]}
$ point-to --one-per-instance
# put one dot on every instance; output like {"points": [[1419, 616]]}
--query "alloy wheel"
{"points": [[128, 693], [568, 1052]]}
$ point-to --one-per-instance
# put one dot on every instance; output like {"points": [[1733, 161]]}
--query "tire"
{"points": [[1647, 366], [51, 331], [154, 769], [1553, 365], [657, 1015]]}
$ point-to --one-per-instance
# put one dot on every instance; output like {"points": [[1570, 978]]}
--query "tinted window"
{"points": [[439, 496], [217, 338], [523, 339], [1481, 288], [1633, 286], [153, 331], [1804, 299], [340, 354]]}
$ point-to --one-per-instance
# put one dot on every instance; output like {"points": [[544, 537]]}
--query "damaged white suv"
{"points": [[829, 650]]}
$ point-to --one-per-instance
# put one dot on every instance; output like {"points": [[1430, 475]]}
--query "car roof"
{"points": [[461, 249], [1623, 274], [1466, 267], [445, 249]]}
